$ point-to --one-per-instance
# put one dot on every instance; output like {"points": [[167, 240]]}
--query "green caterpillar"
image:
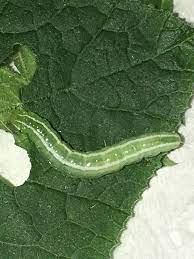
{"points": [[90, 164]]}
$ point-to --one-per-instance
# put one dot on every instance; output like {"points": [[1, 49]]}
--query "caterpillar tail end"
{"points": [[178, 140]]}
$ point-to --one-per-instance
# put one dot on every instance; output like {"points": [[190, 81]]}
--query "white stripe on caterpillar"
{"points": [[91, 164]]}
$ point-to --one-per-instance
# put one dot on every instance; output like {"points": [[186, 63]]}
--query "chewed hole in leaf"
{"points": [[15, 164]]}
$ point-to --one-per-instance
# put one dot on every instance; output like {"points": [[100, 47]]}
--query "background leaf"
{"points": [[106, 71]]}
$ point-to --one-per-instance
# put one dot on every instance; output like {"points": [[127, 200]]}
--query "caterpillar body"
{"points": [[90, 164]]}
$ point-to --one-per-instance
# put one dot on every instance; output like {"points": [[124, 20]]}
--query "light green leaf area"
{"points": [[168, 162], [11, 81], [106, 71], [160, 4]]}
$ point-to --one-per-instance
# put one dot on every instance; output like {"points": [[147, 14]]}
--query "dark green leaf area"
{"points": [[160, 4], [107, 71], [70, 218]]}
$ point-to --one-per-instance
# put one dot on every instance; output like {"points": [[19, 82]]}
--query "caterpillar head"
{"points": [[15, 122]]}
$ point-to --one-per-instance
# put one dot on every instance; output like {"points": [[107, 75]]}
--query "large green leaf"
{"points": [[106, 71]]}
